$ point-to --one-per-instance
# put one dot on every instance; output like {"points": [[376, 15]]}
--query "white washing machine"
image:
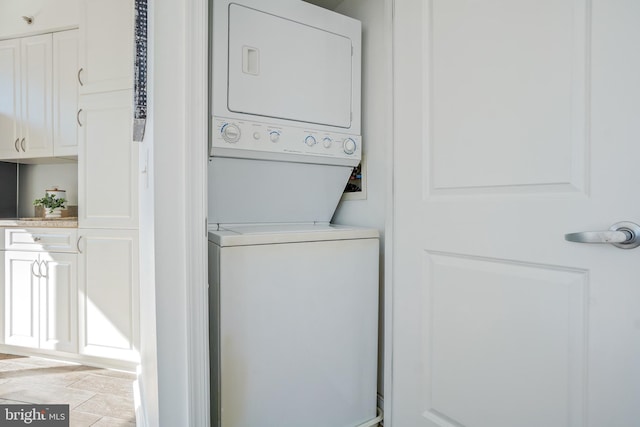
{"points": [[293, 321]]}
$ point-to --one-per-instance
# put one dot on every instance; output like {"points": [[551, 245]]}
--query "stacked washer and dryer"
{"points": [[293, 298]]}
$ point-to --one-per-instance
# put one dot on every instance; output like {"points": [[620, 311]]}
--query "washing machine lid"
{"points": [[265, 234]]}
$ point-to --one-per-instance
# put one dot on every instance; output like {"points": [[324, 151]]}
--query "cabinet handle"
{"points": [[78, 117], [79, 79], [78, 244], [22, 145], [33, 271], [15, 144], [46, 265]]}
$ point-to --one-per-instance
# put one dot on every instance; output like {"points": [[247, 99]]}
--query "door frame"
{"points": [[196, 157]]}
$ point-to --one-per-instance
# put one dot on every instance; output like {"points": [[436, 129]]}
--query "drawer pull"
{"points": [[16, 145], [79, 79], [36, 239], [78, 244], [22, 145], [33, 271], [46, 269]]}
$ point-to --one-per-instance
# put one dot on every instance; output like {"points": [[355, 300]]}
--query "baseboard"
{"points": [[94, 361], [138, 398]]}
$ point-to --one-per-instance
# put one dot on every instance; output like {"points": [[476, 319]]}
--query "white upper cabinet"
{"points": [[106, 45], [25, 105], [10, 99], [107, 162], [65, 93], [37, 88]]}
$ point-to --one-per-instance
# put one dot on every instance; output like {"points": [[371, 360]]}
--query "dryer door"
{"points": [[285, 69]]}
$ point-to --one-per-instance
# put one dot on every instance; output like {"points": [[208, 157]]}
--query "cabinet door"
{"points": [[37, 121], [107, 162], [21, 298], [109, 294], [65, 93], [58, 302], [106, 45], [10, 99]]}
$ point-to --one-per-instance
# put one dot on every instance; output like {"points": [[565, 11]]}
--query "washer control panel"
{"points": [[252, 138]]}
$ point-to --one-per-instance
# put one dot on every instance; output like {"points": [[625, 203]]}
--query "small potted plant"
{"points": [[52, 204]]}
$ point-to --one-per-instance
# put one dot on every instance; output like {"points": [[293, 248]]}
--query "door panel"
{"points": [[109, 294], [108, 159], [507, 111], [10, 99], [59, 302], [65, 93], [21, 299], [106, 45], [37, 90], [515, 124]]}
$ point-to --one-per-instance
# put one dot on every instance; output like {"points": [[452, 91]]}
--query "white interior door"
{"points": [[516, 122]]}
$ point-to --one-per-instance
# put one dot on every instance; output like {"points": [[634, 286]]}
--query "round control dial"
{"points": [[326, 141], [274, 136], [310, 141], [230, 133], [349, 146]]}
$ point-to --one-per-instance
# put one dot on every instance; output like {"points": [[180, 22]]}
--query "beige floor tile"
{"points": [[104, 384], [41, 363], [44, 393], [109, 405], [4, 356], [52, 376], [113, 422], [82, 419], [11, 402], [117, 374]]}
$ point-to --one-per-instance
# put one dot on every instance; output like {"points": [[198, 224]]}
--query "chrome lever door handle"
{"points": [[625, 235]]}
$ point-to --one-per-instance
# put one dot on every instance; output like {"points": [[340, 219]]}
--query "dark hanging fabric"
{"points": [[140, 79]]}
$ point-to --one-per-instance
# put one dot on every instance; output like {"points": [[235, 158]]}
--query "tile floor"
{"points": [[96, 397]]}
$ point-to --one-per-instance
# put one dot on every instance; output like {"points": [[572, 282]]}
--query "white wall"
{"points": [[34, 180], [371, 212]]}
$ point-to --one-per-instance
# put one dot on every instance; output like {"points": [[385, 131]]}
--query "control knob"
{"points": [[274, 136], [326, 141], [310, 141], [349, 146], [230, 133]]}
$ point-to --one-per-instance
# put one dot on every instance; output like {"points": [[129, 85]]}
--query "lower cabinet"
{"points": [[71, 290], [108, 293], [40, 300]]}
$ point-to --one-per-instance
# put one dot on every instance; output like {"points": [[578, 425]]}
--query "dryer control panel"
{"points": [[264, 141]]}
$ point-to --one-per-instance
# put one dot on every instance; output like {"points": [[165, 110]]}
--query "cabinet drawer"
{"points": [[43, 239]]}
